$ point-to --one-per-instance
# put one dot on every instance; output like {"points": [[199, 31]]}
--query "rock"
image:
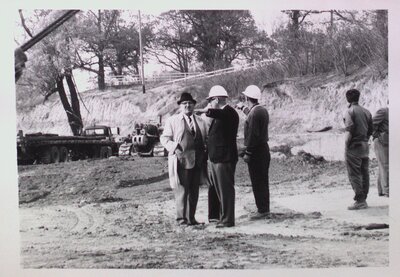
{"points": [[309, 158], [278, 156], [376, 226], [284, 148]]}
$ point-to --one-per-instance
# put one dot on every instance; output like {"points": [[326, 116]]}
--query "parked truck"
{"points": [[97, 141]]}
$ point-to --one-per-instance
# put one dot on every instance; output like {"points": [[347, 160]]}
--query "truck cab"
{"points": [[102, 131]]}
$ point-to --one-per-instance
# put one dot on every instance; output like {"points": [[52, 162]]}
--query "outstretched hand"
{"points": [[200, 111], [239, 105]]}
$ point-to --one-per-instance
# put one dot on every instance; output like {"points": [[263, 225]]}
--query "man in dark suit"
{"points": [[222, 152]]}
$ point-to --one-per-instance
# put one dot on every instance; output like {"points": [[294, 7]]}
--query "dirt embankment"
{"points": [[295, 105], [120, 214]]}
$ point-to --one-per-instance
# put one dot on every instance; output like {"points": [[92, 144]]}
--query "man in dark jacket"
{"points": [[358, 126], [257, 155], [222, 152]]}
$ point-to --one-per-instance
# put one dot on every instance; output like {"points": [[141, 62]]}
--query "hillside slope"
{"points": [[301, 104], [295, 105]]}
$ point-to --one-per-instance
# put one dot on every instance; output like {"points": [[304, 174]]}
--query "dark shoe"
{"points": [[259, 215], [193, 223], [358, 206], [213, 220], [224, 225]]}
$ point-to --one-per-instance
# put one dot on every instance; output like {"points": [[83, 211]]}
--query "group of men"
{"points": [[360, 126], [202, 149]]}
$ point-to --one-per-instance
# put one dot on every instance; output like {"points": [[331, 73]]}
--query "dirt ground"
{"points": [[119, 213]]}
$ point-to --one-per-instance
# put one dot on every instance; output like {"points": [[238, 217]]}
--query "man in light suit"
{"points": [[184, 137], [380, 122]]}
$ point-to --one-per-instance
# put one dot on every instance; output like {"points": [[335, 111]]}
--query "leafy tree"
{"points": [[171, 44], [124, 47], [110, 40], [219, 36], [54, 60], [96, 34]]}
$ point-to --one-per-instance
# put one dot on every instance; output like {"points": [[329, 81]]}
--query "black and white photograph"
{"points": [[167, 140]]}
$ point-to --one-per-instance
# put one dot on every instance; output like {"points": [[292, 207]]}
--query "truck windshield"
{"points": [[94, 132]]}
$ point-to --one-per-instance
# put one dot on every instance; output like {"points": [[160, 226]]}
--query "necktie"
{"points": [[191, 126]]}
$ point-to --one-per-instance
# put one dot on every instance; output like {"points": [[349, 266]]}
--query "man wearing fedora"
{"points": [[257, 154], [184, 137]]}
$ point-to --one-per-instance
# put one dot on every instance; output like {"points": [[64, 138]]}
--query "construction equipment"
{"points": [[145, 141], [95, 142]]}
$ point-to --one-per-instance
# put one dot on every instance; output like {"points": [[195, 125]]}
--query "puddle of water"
{"points": [[328, 145]]}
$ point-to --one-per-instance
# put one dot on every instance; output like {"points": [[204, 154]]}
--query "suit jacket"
{"points": [[170, 138], [222, 146], [380, 122]]}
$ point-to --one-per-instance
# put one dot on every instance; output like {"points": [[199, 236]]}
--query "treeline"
{"points": [[309, 42], [344, 41], [102, 41]]}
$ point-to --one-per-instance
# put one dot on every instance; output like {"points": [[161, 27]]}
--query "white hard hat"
{"points": [[252, 91], [217, 91]]}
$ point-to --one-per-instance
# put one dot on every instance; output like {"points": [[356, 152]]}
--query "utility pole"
{"points": [[141, 52]]}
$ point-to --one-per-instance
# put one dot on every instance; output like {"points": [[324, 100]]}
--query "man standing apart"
{"points": [[184, 137], [380, 134], [222, 152], [256, 154], [358, 126]]}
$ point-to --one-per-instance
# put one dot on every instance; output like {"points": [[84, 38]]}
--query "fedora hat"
{"points": [[185, 96]]}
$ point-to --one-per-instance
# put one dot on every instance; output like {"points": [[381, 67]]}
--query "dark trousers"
{"points": [[357, 163], [258, 170], [222, 177], [214, 207], [187, 194]]}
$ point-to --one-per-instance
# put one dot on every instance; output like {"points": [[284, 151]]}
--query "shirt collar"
{"points": [[254, 106], [353, 104], [184, 116]]}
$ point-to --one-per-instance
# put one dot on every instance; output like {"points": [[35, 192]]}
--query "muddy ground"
{"points": [[119, 213]]}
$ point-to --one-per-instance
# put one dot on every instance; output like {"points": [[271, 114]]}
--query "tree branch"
{"points": [[23, 23]]}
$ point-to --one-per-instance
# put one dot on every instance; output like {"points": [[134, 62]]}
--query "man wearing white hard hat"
{"points": [[256, 154], [222, 152]]}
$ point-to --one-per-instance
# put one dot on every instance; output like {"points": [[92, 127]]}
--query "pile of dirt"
{"points": [[93, 180]]}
